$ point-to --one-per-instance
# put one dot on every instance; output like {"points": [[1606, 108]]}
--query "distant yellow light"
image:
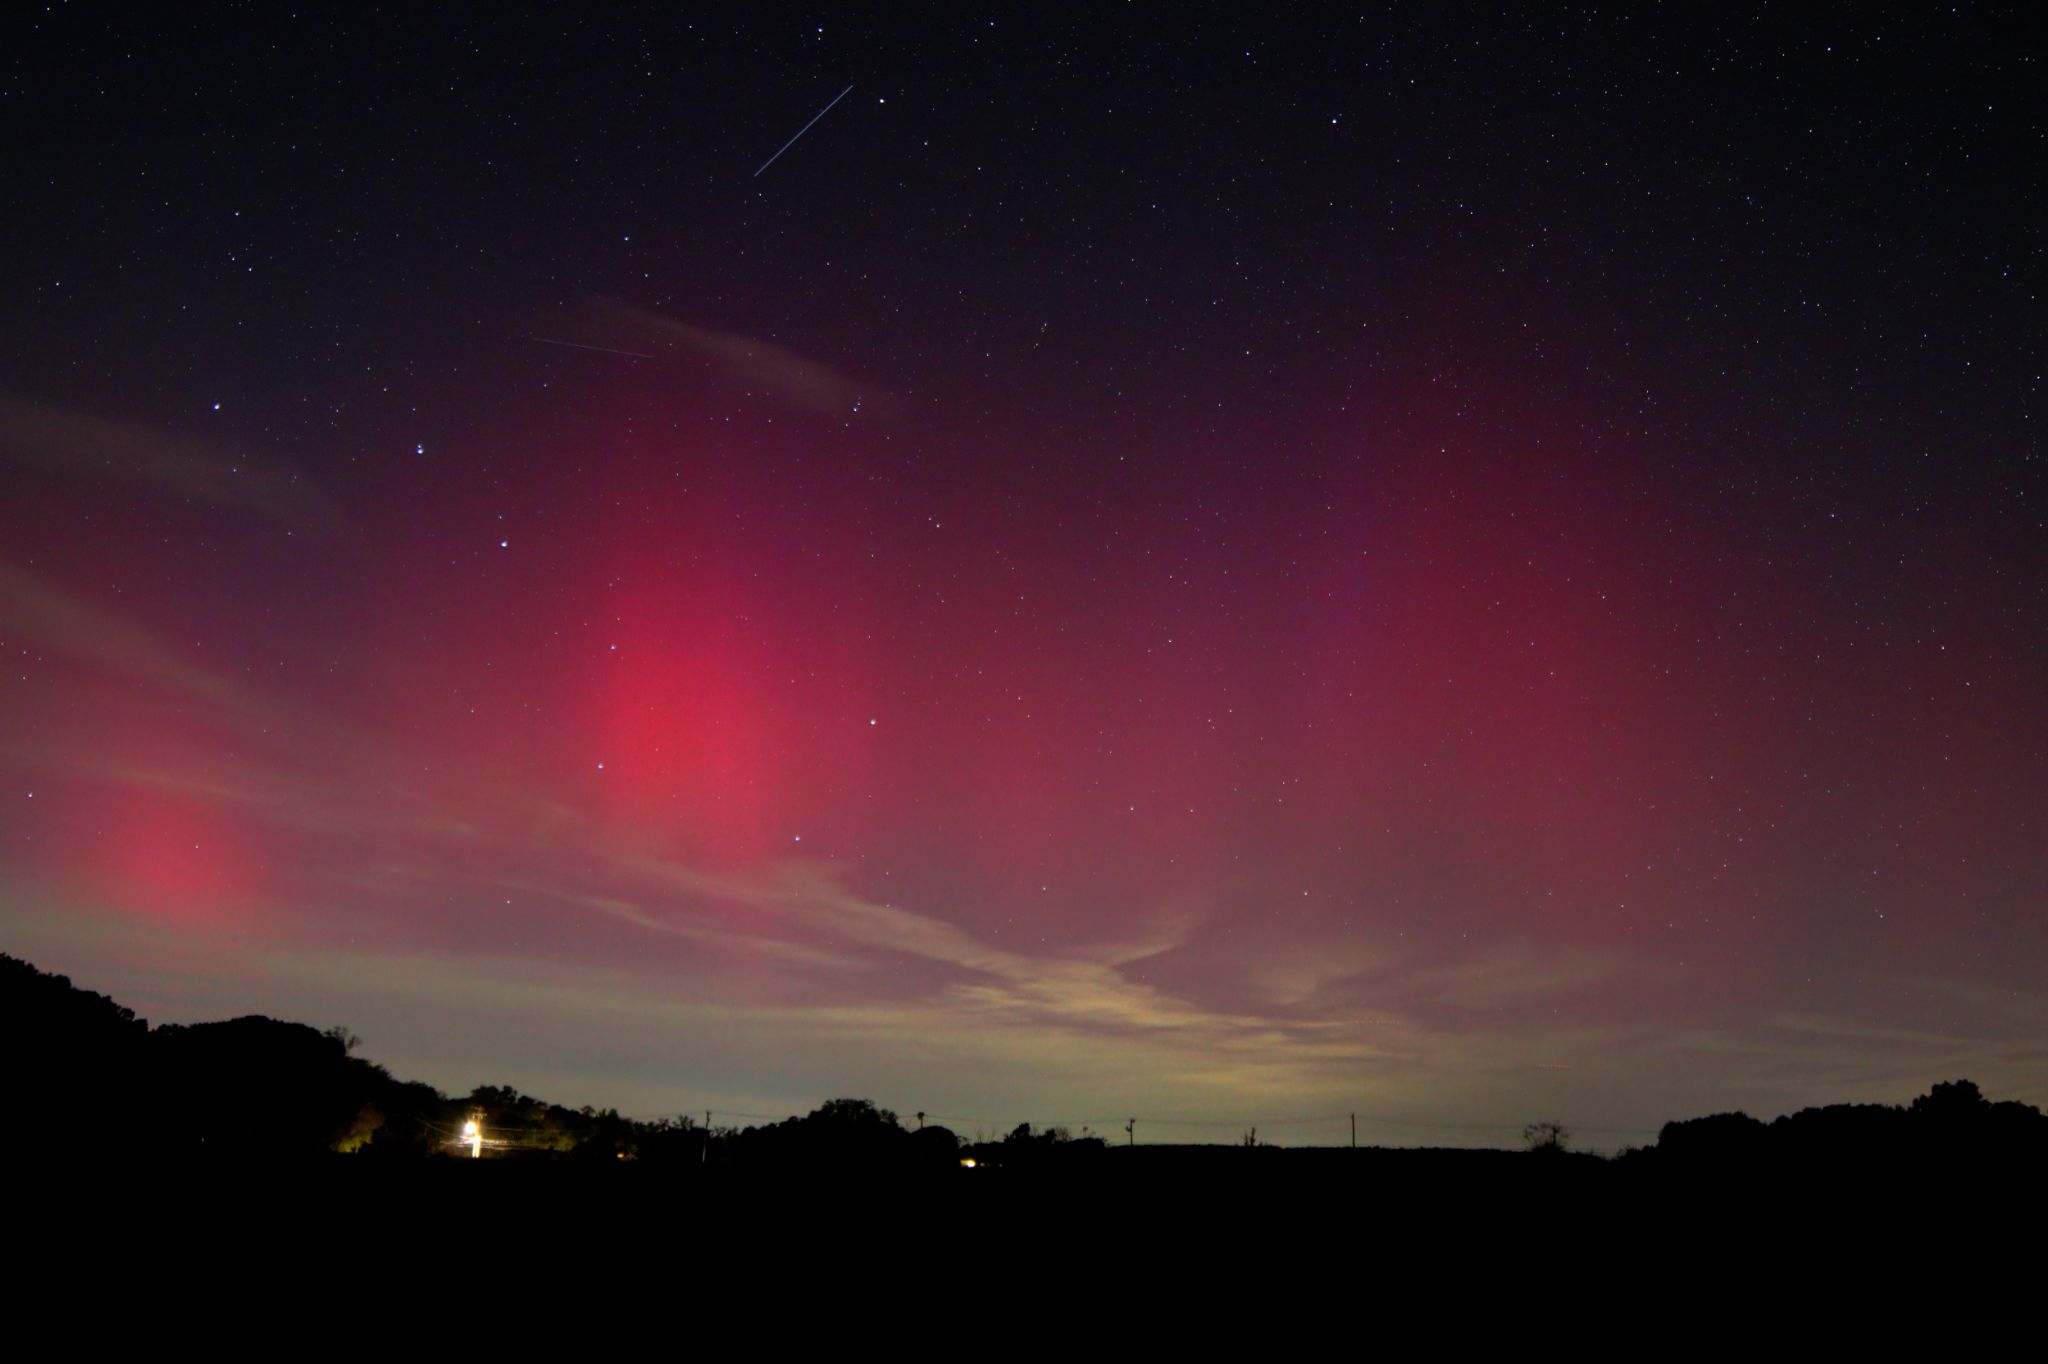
{"points": [[469, 1129], [967, 1164]]}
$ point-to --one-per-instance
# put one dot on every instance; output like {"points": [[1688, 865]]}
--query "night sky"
{"points": [[1464, 567]]}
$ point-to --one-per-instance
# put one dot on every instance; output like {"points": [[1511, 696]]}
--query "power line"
{"points": [[1104, 1125]]}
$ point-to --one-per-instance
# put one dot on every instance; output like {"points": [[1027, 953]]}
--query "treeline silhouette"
{"points": [[87, 1079]]}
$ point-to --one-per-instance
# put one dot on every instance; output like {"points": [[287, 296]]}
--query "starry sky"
{"points": [[1457, 565]]}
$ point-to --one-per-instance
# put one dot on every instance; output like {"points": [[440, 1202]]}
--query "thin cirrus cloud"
{"points": [[64, 623], [153, 462], [783, 979], [758, 368], [835, 958]]}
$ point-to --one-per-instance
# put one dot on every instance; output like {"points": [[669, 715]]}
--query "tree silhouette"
{"points": [[258, 1090], [1951, 1101], [855, 1113]]}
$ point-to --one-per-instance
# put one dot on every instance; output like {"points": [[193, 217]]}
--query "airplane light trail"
{"points": [[801, 131]]}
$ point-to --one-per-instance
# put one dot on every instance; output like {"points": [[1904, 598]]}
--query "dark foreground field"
{"points": [[1187, 1251], [1264, 1196], [254, 1177]]}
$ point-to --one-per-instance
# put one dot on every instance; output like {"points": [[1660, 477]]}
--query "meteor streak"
{"points": [[550, 341], [801, 131]]}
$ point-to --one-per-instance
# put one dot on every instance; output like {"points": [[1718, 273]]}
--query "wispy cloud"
{"points": [[915, 982], [787, 972], [68, 624], [761, 368], [151, 461]]}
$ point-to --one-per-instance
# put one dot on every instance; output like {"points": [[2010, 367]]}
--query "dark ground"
{"points": [[1198, 1251]]}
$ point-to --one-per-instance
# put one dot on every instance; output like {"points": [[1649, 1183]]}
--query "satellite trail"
{"points": [[801, 131], [550, 341]]}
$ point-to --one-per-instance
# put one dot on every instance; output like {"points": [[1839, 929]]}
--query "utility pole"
{"points": [[1132, 1128], [1354, 1131], [920, 1120], [707, 1138]]}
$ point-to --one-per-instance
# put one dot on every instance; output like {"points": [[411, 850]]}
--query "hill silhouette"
{"points": [[93, 1082]]}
